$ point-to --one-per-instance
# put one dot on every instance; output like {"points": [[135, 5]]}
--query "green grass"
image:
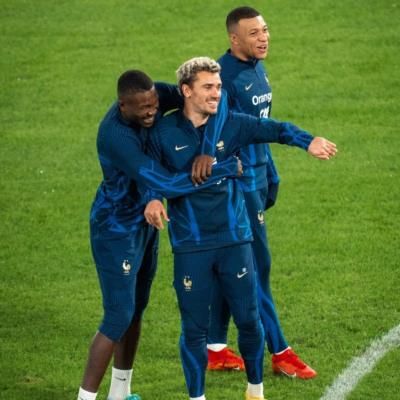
{"points": [[334, 67]]}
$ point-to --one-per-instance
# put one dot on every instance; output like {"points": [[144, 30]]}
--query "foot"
{"points": [[288, 363], [224, 360], [248, 397], [133, 397]]}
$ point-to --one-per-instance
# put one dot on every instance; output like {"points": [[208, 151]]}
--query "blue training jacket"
{"points": [[130, 178], [215, 216], [249, 92]]}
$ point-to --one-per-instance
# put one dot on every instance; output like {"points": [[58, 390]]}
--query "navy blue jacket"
{"points": [[128, 173], [215, 216], [249, 92]]}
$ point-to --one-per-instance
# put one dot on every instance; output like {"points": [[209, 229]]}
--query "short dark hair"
{"points": [[240, 13], [133, 81]]}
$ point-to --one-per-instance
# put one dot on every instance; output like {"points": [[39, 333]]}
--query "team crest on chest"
{"points": [[220, 145]]}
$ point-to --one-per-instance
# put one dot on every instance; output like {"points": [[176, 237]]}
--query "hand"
{"points": [[154, 212], [201, 168], [322, 148]]}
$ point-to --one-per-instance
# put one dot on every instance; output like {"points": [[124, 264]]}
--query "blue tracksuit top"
{"points": [[215, 216], [249, 92], [129, 176]]}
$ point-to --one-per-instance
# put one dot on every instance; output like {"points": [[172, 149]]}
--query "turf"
{"points": [[334, 234]]}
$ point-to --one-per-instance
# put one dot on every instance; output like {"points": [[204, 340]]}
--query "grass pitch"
{"points": [[334, 234]]}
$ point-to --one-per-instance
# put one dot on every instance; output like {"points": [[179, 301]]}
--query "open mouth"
{"points": [[148, 121]]}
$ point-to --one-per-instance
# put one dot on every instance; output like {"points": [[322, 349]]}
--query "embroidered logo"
{"points": [[126, 267], [260, 217], [220, 145], [248, 87], [187, 283], [179, 148], [243, 273]]}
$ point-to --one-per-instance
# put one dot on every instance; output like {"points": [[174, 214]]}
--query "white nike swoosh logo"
{"points": [[246, 88], [242, 275], [287, 374], [177, 148]]}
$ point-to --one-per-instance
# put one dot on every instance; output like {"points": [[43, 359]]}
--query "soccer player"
{"points": [[124, 246], [209, 230], [245, 79]]}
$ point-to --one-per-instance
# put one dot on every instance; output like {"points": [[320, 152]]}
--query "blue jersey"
{"points": [[128, 173], [215, 216], [249, 92]]}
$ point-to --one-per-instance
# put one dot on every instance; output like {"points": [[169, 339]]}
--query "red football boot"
{"points": [[224, 360], [288, 363]]}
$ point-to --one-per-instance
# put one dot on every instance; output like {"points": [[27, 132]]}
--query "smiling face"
{"points": [[202, 96], [140, 107], [250, 38]]}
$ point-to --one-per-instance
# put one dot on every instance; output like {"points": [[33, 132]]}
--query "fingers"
{"points": [[322, 148], [154, 214], [201, 169]]}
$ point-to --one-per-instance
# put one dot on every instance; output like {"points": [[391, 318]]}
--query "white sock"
{"points": [[281, 352], [255, 390], [120, 384], [198, 398], [85, 395], [216, 346]]}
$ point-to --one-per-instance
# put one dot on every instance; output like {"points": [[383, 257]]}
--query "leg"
{"points": [[237, 278], [220, 357], [117, 262], [255, 203], [125, 350], [286, 362], [100, 353], [193, 282], [219, 318]]}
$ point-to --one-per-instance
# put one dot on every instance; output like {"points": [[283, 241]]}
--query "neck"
{"points": [[236, 53], [195, 117]]}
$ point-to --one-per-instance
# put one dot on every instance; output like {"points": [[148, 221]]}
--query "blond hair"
{"points": [[187, 72]]}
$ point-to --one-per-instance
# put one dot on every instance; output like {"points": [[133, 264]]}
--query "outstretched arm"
{"points": [[256, 130]]}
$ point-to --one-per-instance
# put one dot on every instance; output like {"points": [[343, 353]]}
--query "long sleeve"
{"points": [[123, 148], [181, 182], [259, 130]]}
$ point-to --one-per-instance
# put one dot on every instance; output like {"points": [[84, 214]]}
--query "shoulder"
{"points": [[166, 125], [168, 121], [237, 120]]}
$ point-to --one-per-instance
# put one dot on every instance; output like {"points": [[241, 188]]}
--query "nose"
{"points": [[263, 36], [216, 92]]}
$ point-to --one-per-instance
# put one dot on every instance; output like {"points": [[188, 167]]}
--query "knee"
{"points": [[248, 320], [116, 322], [194, 331]]}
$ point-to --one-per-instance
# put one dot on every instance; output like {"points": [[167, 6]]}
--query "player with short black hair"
{"points": [[133, 81], [124, 245], [246, 82]]}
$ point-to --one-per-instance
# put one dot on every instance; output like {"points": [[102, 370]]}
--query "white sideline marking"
{"points": [[362, 365]]}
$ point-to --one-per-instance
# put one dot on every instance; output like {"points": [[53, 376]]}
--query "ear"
{"points": [[233, 38], [186, 90], [121, 104]]}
